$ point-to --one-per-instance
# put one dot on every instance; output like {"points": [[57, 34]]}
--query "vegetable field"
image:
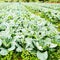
{"points": [[29, 31]]}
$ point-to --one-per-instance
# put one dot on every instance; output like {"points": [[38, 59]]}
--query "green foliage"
{"points": [[25, 55], [54, 1], [55, 54], [29, 0], [28, 56], [27, 35], [7, 57], [48, 12], [11, 56]]}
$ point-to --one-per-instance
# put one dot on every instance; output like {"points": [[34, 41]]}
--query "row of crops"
{"points": [[29, 31]]}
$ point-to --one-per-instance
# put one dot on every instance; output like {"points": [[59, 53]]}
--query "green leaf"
{"points": [[0, 42], [3, 51], [53, 45], [19, 49], [11, 48], [38, 46], [42, 55]]}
